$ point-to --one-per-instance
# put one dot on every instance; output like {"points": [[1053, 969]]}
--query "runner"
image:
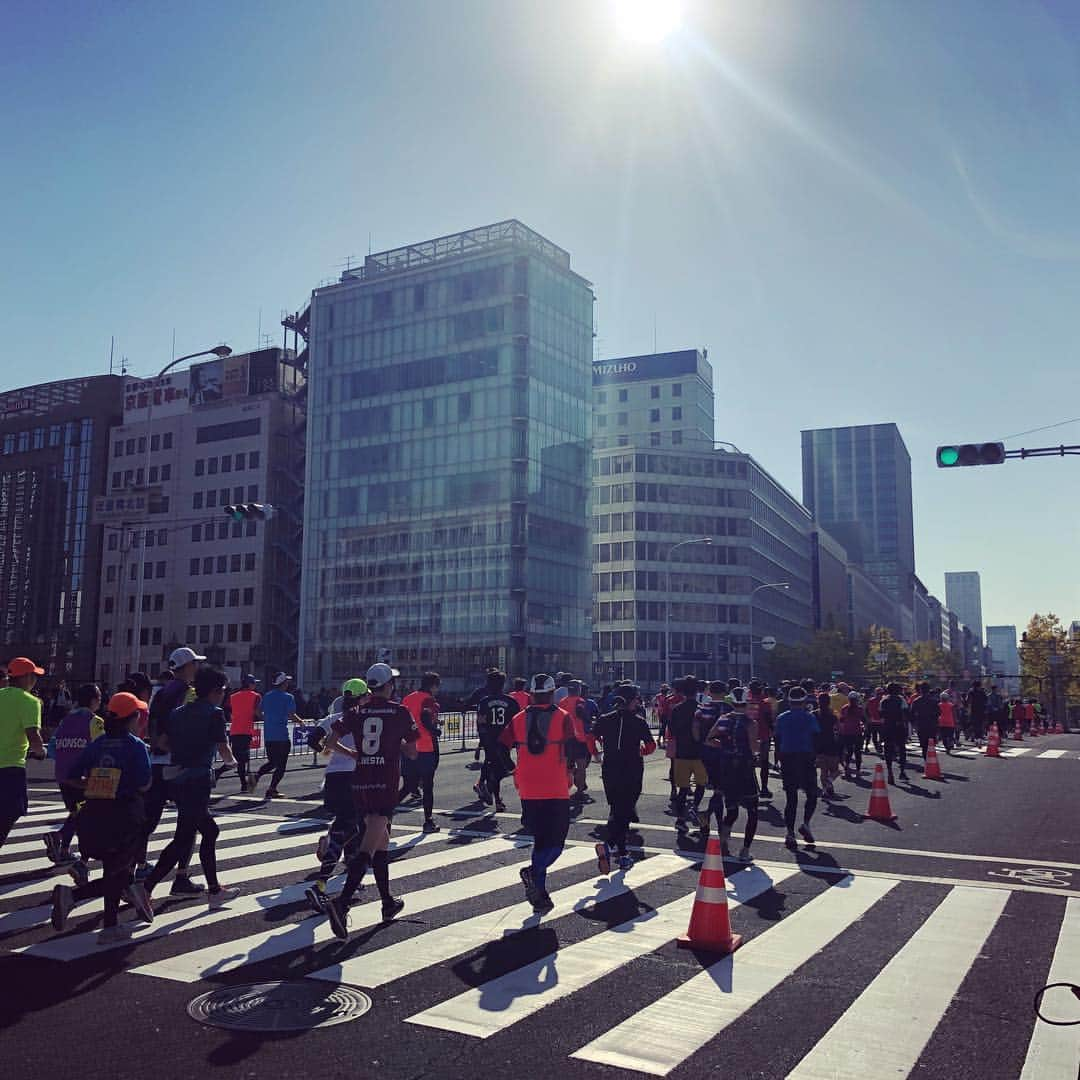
{"points": [[246, 709], [850, 728], [947, 721], [520, 694], [383, 730], [195, 731], [759, 707], [278, 711], [827, 743], [337, 794], [894, 731], [873, 728], [424, 710], [731, 759], [20, 737], [493, 712], [574, 704], [795, 731], [625, 736], [540, 735], [688, 767], [926, 712], [976, 702], [109, 776], [183, 664]]}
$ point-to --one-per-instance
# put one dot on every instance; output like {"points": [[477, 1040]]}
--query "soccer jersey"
{"points": [[378, 728], [420, 704]]}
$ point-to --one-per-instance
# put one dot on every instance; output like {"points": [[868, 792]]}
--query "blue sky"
{"points": [[865, 210]]}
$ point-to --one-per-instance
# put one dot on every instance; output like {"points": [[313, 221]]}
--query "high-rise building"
{"points": [[177, 568], [446, 521], [1005, 657], [659, 489], [54, 444], [963, 594], [857, 484]]}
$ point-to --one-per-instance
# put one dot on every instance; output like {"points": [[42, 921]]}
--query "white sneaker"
{"points": [[221, 897], [140, 901]]}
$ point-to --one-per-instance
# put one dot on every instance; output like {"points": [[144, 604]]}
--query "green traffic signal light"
{"points": [[947, 455], [991, 453]]}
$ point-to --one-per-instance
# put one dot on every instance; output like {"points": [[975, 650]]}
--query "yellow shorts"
{"points": [[690, 767]]}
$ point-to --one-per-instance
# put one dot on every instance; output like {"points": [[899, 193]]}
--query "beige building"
{"points": [[177, 567]]}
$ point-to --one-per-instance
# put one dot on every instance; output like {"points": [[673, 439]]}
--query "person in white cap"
{"points": [[278, 711]]}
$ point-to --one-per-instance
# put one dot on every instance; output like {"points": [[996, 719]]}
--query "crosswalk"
{"points": [[470, 961]]}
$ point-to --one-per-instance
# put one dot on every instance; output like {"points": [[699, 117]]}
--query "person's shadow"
{"points": [[502, 957]]}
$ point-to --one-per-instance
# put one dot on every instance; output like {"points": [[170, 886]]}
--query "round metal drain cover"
{"points": [[279, 1006]]}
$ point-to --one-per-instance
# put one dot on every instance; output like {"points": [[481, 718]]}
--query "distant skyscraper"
{"points": [[857, 484], [963, 594], [1006, 657]]}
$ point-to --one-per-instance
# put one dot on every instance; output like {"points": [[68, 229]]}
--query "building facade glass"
{"points": [[448, 461], [963, 594]]}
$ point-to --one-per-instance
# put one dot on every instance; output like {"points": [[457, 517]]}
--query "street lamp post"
{"points": [[220, 351], [667, 600], [753, 593]]}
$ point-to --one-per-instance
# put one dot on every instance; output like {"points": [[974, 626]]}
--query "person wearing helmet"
{"points": [[337, 796], [383, 730], [541, 737]]}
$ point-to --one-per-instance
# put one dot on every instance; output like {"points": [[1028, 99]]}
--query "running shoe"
{"points": [[703, 819], [339, 919], [765, 793], [80, 873], [500, 806], [54, 846], [482, 793], [320, 847], [111, 935], [62, 902], [429, 826], [744, 855], [273, 793], [543, 903], [625, 862], [316, 897], [790, 842], [140, 901], [532, 894], [806, 834], [603, 858], [184, 886], [221, 897], [142, 872], [394, 906]]}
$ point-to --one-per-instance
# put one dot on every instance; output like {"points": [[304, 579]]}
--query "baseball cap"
{"points": [[356, 687], [541, 683], [380, 674], [281, 677], [125, 705], [796, 693], [183, 655], [250, 680], [738, 695], [22, 666]]}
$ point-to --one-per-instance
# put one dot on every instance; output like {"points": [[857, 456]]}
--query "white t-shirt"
{"points": [[338, 762]]}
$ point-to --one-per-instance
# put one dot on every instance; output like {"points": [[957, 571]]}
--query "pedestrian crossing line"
{"points": [[381, 966], [204, 963], [1018, 751], [1053, 753], [1054, 1052], [935, 961], [75, 946], [486, 1010], [664, 1034]]}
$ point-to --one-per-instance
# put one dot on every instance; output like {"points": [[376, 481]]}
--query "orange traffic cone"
{"points": [[1018, 734], [993, 742], [879, 808], [710, 925], [932, 769], [1059, 729]]}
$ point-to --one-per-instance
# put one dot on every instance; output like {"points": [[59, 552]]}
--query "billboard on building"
{"points": [[263, 371], [651, 366], [169, 393]]}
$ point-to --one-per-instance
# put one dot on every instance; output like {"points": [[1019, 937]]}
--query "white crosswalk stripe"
{"points": [[1053, 753]]}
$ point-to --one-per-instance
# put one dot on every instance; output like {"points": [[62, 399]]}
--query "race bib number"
{"points": [[102, 783]]}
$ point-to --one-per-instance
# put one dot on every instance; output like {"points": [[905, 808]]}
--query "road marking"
{"points": [[1033, 875], [228, 956], [918, 984], [1055, 1051], [663, 1035], [1053, 753], [498, 1004], [403, 957], [1018, 751]]}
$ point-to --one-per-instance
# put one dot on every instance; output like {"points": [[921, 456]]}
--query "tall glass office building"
{"points": [[445, 522]]}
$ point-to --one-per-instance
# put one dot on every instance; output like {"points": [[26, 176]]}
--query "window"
{"points": [[162, 537], [253, 492], [159, 569], [623, 395], [239, 462], [419, 301], [233, 632], [118, 448], [129, 636], [223, 530], [192, 634], [676, 389], [166, 472], [166, 441], [249, 528], [159, 601], [142, 444], [204, 635], [620, 419], [676, 438], [601, 421], [206, 598], [200, 466], [226, 462], [109, 603], [129, 477], [245, 632], [106, 637], [208, 565], [110, 574], [219, 598], [253, 459], [155, 443], [676, 413], [237, 529], [219, 633], [654, 392], [234, 429], [153, 475], [238, 494], [193, 567], [249, 597], [131, 605], [211, 466], [234, 563], [147, 570], [222, 563], [249, 560], [196, 533], [196, 501], [211, 498], [464, 406], [113, 541], [654, 438], [192, 600], [129, 447], [155, 636], [115, 479], [234, 598], [654, 416]]}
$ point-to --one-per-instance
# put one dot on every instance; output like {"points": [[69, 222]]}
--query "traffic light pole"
{"points": [[1043, 451]]}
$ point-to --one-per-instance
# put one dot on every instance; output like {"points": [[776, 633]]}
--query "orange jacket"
{"points": [[545, 775]]}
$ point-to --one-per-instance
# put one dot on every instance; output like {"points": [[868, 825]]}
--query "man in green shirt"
{"points": [[20, 733]]}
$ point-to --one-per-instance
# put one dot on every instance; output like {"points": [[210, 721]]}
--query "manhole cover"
{"points": [[279, 1006]]}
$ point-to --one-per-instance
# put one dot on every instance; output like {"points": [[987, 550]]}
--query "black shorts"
{"points": [[13, 795], [797, 771], [738, 782], [548, 820]]}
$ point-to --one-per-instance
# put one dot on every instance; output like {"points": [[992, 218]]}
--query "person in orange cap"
{"points": [[20, 736]]}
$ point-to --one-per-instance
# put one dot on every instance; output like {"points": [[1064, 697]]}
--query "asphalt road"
{"points": [[887, 950]]}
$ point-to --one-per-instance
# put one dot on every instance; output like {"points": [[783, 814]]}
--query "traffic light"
{"points": [[952, 457], [250, 511]]}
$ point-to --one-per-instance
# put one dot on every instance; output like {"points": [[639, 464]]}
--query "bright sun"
{"points": [[648, 21]]}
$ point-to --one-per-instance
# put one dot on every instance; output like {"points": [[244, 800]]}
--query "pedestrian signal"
{"points": [[951, 457]]}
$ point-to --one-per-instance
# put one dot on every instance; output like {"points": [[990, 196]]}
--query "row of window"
{"points": [[148, 635], [651, 641], [600, 397], [682, 523], [154, 602], [227, 463], [158, 537], [662, 464], [658, 581], [659, 550], [221, 497], [137, 477], [233, 429], [122, 447], [220, 632], [661, 610], [19, 442], [621, 419], [224, 564], [150, 570], [221, 529], [221, 598], [687, 494]]}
